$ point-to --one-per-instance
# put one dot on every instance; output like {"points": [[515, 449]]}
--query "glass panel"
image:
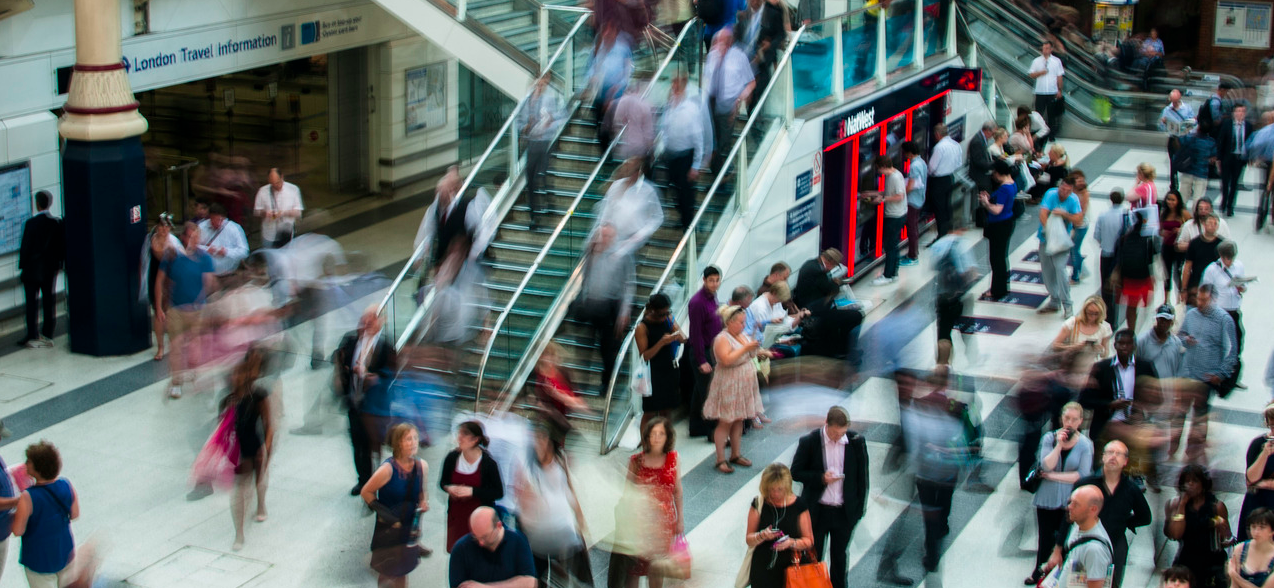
{"points": [[899, 30], [858, 47], [935, 18], [812, 63]]}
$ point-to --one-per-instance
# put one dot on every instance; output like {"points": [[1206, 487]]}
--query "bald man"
{"points": [[1175, 113], [1124, 505], [491, 556], [1086, 556]]}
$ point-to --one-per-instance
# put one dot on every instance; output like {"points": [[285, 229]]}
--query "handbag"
{"points": [[807, 575], [1031, 483], [744, 577], [1057, 239], [677, 563]]}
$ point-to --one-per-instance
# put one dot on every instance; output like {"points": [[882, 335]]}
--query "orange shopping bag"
{"points": [[807, 575]]}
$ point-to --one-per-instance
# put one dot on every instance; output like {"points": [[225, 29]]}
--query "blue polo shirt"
{"points": [[1052, 201], [470, 561], [187, 274]]}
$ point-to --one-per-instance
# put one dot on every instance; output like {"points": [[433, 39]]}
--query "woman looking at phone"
{"points": [[1065, 456], [778, 525], [1260, 473], [657, 337]]}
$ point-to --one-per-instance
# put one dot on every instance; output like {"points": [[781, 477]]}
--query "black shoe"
{"points": [[357, 489], [1032, 579], [23, 342], [893, 577]]}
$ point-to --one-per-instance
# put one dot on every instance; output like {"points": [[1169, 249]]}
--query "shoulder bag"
{"points": [[807, 575], [744, 577]]}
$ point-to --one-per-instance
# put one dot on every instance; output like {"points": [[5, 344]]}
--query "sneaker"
{"points": [[909, 261], [174, 391], [41, 343], [1047, 309], [883, 281]]}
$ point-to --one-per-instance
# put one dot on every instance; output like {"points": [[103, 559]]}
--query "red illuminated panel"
{"points": [[880, 186], [851, 248]]}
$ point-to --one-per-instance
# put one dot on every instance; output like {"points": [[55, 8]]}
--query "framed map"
{"points": [[1242, 24], [15, 205]]}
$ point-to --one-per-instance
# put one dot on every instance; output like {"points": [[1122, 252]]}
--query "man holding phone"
{"points": [[831, 464]]}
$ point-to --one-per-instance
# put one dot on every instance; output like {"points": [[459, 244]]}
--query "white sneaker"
{"points": [[883, 281], [174, 391], [41, 343]]}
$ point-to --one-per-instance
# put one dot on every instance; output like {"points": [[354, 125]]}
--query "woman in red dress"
{"points": [[470, 477], [654, 470]]}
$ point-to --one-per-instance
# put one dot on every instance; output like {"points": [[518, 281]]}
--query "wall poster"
{"points": [[1242, 24], [427, 97]]}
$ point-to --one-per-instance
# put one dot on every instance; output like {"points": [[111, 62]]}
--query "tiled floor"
{"points": [[129, 457]]}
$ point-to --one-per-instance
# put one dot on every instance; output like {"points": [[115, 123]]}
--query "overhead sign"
{"points": [[862, 117], [802, 219]]}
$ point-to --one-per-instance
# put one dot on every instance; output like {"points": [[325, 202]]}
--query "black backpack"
{"points": [[1135, 255], [711, 12]]}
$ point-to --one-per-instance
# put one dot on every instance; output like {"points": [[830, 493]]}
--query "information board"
{"points": [[1242, 24], [802, 219], [15, 205]]}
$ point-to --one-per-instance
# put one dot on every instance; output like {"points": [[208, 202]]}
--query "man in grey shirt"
{"points": [[894, 198], [1088, 550], [1160, 346], [1211, 353]]}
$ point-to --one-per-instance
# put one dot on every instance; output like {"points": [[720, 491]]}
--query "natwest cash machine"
{"points": [[854, 137]]}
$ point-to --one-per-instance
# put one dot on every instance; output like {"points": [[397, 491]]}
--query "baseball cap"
{"points": [[1165, 311]]}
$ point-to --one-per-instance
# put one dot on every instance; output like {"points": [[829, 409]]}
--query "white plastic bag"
{"points": [[1057, 238], [641, 380]]}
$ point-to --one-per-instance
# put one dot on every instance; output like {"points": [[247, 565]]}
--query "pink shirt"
{"points": [[834, 461], [1145, 194]]}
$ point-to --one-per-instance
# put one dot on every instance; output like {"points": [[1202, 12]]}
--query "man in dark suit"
{"points": [[362, 354], [831, 465], [1231, 148], [833, 330], [1111, 384], [40, 259], [979, 157]]}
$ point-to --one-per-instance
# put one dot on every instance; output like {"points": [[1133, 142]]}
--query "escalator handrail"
{"points": [[694, 224], [557, 231], [492, 210]]}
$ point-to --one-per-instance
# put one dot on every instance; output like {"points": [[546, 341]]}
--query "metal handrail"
{"points": [[561, 225], [694, 224], [494, 209]]}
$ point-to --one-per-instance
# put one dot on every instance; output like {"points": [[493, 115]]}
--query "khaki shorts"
{"points": [[182, 320]]}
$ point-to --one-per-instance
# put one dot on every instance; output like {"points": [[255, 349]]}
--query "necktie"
{"points": [[1238, 138]]}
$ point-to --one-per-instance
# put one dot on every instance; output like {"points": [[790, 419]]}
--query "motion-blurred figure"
{"points": [[550, 514], [254, 432], [540, 119], [279, 206], [612, 63], [458, 309], [1211, 355], [452, 216], [634, 114], [192, 278], [730, 83], [362, 356], [687, 131], [160, 244]]}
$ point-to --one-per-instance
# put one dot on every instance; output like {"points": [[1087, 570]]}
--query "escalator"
{"points": [[1102, 103]]}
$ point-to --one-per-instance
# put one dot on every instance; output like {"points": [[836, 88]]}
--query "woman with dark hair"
{"points": [[396, 493], [1200, 523], [550, 514], [1172, 215], [999, 227], [1260, 472], [658, 336], [470, 477], [1252, 564], [160, 244], [43, 519], [254, 430], [1177, 577], [654, 471], [1194, 228]]}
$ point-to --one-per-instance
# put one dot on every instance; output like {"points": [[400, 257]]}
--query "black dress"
{"points": [[769, 567], [665, 380], [1256, 498], [1196, 547]]}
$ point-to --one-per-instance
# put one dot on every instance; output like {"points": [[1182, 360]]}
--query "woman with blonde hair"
{"points": [[1087, 330], [396, 493], [734, 394], [778, 522], [1144, 193], [1054, 169]]}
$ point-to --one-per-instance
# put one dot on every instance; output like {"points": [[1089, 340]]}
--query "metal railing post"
{"points": [[692, 257], [918, 39], [462, 7], [951, 28], [973, 55], [882, 61], [569, 76], [544, 38], [513, 151], [838, 61], [741, 175]]}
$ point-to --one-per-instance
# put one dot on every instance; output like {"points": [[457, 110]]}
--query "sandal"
{"points": [[741, 461], [724, 467]]}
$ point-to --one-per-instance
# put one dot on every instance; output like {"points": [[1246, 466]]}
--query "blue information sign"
{"points": [[801, 219], [804, 184]]}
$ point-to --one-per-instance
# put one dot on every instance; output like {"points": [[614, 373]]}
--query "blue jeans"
{"points": [[1077, 260]]}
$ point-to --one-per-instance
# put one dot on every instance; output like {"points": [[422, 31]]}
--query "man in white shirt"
{"points": [[279, 206], [1171, 120], [223, 239], [1225, 275], [730, 84], [539, 120], [943, 163], [831, 463], [1048, 71], [685, 127]]}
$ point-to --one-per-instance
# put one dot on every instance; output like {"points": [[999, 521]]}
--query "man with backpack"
{"points": [[1136, 254], [1087, 555]]}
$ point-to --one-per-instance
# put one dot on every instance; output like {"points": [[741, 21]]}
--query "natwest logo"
{"points": [[859, 122]]}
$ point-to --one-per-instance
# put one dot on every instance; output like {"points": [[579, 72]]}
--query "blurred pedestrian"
{"points": [[1078, 271], [361, 357], [606, 297], [686, 127], [1136, 269], [1112, 385], [1210, 358], [634, 113], [1061, 202], [41, 253], [779, 521], [658, 338], [491, 555], [43, 519], [549, 515], [278, 203], [939, 183], [1111, 226], [611, 65], [1000, 221], [831, 463], [193, 279], [160, 245], [734, 395], [396, 493], [955, 272], [1172, 216], [917, 179], [1232, 136], [1194, 161], [453, 216], [554, 387], [1065, 456], [471, 479], [730, 83], [654, 470], [705, 324], [1228, 277], [254, 432], [540, 119], [1259, 474], [1199, 522]]}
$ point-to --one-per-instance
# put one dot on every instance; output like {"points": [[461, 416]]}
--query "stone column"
{"points": [[104, 187]]}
